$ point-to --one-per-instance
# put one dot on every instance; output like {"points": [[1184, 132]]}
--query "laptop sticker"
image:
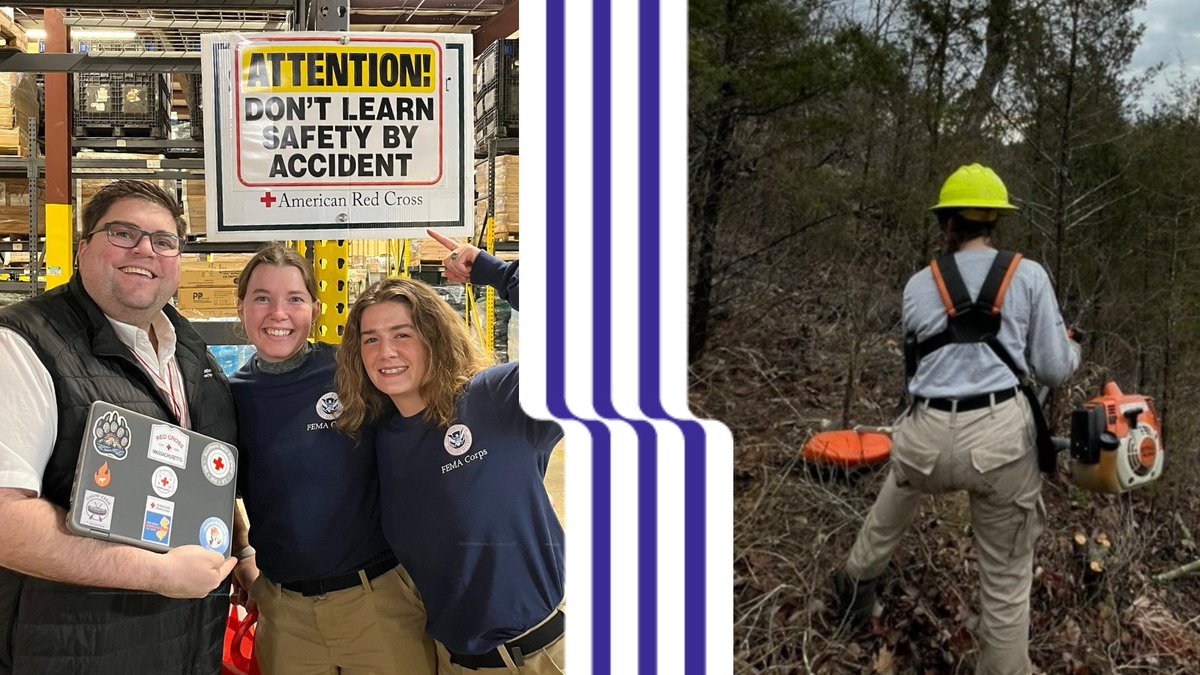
{"points": [[214, 535], [97, 511], [157, 527], [217, 464], [164, 481], [102, 477], [111, 436], [168, 445]]}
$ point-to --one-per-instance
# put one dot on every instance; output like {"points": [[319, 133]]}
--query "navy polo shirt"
{"points": [[466, 511], [312, 494]]}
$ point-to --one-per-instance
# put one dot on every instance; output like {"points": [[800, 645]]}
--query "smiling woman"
{"points": [[329, 596], [461, 477]]}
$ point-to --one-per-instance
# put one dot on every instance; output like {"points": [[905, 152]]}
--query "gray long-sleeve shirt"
{"points": [[1031, 329]]}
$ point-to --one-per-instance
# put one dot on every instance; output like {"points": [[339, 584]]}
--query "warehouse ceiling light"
{"points": [[39, 34]]}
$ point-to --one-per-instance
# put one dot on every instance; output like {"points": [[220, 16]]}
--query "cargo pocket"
{"points": [[259, 592], [1032, 524], [1030, 425]]}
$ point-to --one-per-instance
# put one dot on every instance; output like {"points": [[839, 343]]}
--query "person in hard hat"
{"points": [[970, 423]]}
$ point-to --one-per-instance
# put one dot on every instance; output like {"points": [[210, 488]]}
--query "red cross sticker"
{"points": [[268, 199], [218, 464], [165, 482]]}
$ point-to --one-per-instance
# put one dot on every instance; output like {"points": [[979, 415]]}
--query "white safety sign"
{"points": [[337, 135]]}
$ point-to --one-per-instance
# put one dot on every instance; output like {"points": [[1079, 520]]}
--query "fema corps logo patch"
{"points": [[111, 435], [458, 439], [329, 406]]}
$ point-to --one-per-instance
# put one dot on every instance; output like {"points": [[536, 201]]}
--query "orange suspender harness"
{"points": [[978, 320]]}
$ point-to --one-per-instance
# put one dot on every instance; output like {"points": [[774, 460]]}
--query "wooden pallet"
{"points": [[12, 33], [14, 142], [127, 131]]}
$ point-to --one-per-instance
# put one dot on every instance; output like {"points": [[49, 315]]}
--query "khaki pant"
{"points": [[377, 627], [1007, 514], [549, 660]]}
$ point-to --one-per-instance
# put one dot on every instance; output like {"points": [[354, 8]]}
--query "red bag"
{"points": [[237, 657]]}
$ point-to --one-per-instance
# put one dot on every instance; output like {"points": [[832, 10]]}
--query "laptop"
{"points": [[152, 484]]}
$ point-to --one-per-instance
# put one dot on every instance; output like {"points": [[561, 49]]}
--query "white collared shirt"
{"points": [[29, 416], [160, 364]]}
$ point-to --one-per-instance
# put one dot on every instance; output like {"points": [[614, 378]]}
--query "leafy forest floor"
{"points": [[783, 377]]}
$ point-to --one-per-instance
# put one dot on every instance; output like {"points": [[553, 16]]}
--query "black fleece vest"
{"points": [[48, 627]]}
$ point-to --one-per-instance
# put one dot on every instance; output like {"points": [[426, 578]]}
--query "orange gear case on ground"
{"points": [[850, 449]]}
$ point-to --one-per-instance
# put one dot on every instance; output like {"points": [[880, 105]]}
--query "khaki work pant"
{"points": [[377, 627], [549, 660], [1007, 514]]}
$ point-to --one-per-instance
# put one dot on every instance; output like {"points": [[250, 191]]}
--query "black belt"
{"points": [[339, 583], [968, 403], [523, 646]]}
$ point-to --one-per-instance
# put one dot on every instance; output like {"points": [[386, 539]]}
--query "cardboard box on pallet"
{"points": [[14, 207], [86, 188], [195, 207], [429, 251], [220, 272], [508, 174], [18, 103], [207, 298], [208, 313]]}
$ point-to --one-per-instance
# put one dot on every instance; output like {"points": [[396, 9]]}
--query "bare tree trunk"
{"points": [[995, 62], [852, 367], [1062, 173], [1169, 320], [705, 236]]}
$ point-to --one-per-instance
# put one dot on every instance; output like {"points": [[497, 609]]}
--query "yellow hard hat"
{"points": [[973, 186]]}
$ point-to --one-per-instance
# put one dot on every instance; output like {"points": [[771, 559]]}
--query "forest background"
{"points": [[820, 133]]}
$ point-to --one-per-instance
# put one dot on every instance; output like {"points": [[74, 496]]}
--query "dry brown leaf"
{"points": [[884, 662]]}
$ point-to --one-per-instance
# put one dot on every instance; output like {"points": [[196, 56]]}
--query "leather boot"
{"points": [[855, 600]]}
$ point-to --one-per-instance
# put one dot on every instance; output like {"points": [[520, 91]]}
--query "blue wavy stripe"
{"points": [[650, 341], [556, 361], [601, 549], [556, 400], [601, 341]]}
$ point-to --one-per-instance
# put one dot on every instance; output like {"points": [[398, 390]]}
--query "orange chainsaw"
{"points": [[1115, 444]]}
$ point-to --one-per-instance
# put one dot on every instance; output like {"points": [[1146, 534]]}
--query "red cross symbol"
{"points": [[218, 464], [165, 481], [268, 199]]}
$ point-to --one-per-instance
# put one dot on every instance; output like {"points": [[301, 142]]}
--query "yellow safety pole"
{"points": [[330, 258], [60, 248], [489, 321]]}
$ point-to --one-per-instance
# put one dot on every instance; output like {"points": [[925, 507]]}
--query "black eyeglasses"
{"points": [[124, 235]]}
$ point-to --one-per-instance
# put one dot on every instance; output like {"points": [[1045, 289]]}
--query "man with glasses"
{"points": [[75, 604]]}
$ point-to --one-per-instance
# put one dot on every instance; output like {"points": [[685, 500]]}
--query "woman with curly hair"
{"points": [[461, 469]]}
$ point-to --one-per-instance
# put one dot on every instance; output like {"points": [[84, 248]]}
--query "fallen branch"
{"points": [[1187, 534], [1178, 572]]}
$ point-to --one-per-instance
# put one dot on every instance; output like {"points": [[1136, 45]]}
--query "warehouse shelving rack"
{"points": [[174, 26]]}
